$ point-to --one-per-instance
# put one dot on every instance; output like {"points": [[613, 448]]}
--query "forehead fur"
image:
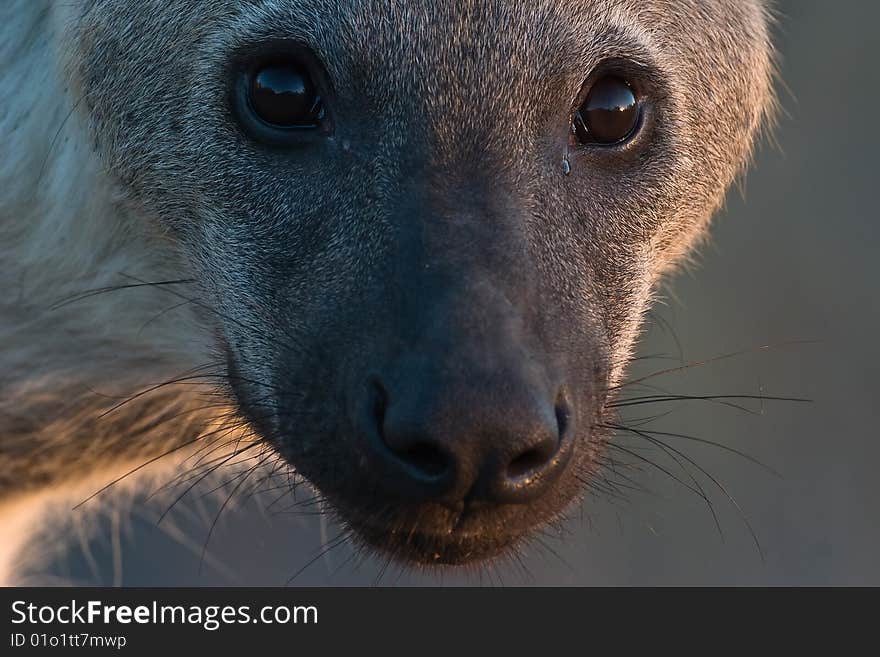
{"points": [[463, 69]]}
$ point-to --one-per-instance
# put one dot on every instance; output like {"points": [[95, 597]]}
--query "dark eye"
{"points": [[284, 96], [609, 115]]}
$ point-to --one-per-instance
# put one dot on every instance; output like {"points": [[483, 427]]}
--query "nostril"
{"points": [[424, 458], [528, 463], [510, 452], [540, 456]]}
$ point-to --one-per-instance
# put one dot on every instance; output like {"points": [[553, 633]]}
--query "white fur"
{"points": [[63, 231]]}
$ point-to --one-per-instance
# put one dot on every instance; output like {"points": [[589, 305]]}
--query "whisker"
{"points": [[134, 470], [232, 320], [659, 467], [707, 361], [161, 314], [714, 480], [222, 508], [720, 399], [340, 539], [703, 441], [667, 328], [201, 479], [55, 138], [674, 455], [88, 294]]}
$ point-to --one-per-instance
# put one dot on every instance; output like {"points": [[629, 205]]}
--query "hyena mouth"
{"points": [[436, 535], [440, 537], [429, 468]]}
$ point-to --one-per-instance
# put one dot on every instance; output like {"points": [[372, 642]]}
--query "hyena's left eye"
{"points": [[284, 96], [610, 113]]}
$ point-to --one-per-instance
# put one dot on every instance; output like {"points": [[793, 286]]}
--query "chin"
{"points": [[439, 537]]}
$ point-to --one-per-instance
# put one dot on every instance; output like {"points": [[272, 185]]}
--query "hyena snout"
{"points": [[500, 437], [468, 409]]}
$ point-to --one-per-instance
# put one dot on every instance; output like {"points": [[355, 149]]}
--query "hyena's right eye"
{"points": [[284, 96], [278, 94]]}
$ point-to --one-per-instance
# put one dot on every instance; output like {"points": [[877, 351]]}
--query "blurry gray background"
{"points": [[794, 258]]}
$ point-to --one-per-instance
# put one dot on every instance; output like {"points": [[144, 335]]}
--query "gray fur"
{"points": [[121, 158]]}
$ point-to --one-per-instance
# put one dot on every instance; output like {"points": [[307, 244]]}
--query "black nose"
{"points": [[502, 439]]}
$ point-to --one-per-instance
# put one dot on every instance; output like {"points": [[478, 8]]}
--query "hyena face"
{"points": [[425, 231]]}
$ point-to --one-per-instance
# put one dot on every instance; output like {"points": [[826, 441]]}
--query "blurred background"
{"points": [[794, 264]]}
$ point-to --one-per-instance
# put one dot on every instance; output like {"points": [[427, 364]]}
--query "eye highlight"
{"points": [[280, 95], [284, 96], [609, 115]]}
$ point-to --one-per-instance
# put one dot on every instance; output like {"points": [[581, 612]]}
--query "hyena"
{"points": [[403, 247]]}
